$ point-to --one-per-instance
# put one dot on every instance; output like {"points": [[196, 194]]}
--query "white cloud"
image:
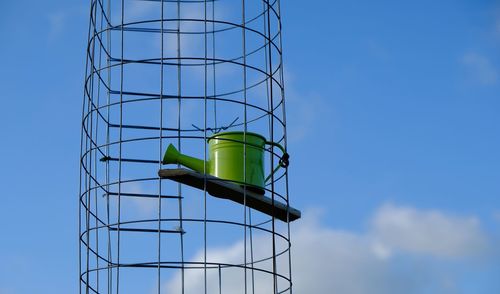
{"points": [[497, 22], [306, 109], [142, 206], [232, 254], [377, 50], [138, 10], [396, 255], [496, 215], [57, 22], [481, 69], [428, 232], [333, 261]]}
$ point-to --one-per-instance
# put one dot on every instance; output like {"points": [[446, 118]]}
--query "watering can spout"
{"points": [[172, 155]]}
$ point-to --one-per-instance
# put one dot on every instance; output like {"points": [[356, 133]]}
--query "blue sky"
{"points": [[393, 115]]}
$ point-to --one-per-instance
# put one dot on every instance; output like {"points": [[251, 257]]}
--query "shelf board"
{"points": [[231, 191]]}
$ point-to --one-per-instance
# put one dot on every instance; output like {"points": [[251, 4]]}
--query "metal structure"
{"points": [[163, 72]]}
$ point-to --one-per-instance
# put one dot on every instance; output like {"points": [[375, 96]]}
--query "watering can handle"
{"points": [[284, 160]]}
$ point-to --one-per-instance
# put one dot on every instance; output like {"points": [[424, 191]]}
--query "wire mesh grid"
{"points": [[176, 72]]}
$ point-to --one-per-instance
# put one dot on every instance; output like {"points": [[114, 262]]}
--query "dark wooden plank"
{"points": [[227, 190]]}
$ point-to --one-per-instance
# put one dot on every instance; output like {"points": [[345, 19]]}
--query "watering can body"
{"points": [[233, 156]]}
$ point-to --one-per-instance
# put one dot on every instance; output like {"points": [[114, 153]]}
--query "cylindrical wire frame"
{"points": [[165, 72]]}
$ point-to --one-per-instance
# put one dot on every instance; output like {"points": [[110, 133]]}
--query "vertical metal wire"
{"points": [[160, 145], [89, 142], [96, 168], [271, 131], [205, 93], [213, 65], [179, 116], [120, 145], [245, 128], [81, 189], [220, 279], [107, 167], [285, 137]]}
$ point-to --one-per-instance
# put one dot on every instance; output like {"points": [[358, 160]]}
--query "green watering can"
{"points": [[226, 153]]}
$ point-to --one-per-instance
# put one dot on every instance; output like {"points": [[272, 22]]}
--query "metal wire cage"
{"points": [[163, 72]]}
